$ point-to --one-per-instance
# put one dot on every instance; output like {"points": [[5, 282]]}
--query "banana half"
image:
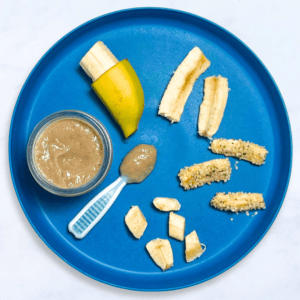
{"points": [[176, 226], [166, 204], [117, 85], [161, 252], [181, 84], [213, 105], [136, 222], [193, 247]]}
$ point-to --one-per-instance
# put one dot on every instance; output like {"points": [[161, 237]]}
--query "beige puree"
{"points": [[69, 153], [138, 163]]}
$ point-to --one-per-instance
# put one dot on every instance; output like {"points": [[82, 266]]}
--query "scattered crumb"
{"points": [[231, 219], [237, 213], [254, 214], [247, 213], [235, 165]]}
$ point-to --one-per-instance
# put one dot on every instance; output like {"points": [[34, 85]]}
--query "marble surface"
{"points": [[28, 269]]}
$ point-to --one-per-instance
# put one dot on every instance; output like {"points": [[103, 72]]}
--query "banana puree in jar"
{"points": [[69, 153]]}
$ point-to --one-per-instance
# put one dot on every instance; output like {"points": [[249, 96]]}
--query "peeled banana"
{"points": [[193, 248], [243, 150], [166, 204], [136, 222], [161, 252], [205, 173], [97, 61], [176, 226], [181, 84], [238, 201], [213, 105]]}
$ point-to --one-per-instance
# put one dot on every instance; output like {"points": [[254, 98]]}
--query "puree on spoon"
{"points": [[68, 153], [138, 163]]}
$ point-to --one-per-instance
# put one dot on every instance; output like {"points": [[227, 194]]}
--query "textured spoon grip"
{"points": [[92, 213]]}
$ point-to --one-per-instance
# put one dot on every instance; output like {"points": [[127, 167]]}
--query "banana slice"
{"points": [[238, 201], [243, 150], [213, 105], [205, 173], [181, 84], [176, 226], [193, 247], [161, 252], [136, 222], [97, 61], [166, 204]]}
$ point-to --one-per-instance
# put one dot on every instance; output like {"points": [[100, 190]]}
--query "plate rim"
{"points": [[190, 15]]}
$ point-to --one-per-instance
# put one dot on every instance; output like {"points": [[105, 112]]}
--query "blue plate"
{"points": [[156, 41]]}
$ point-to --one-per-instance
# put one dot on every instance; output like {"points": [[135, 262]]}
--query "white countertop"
{"points": [[28, 268]]}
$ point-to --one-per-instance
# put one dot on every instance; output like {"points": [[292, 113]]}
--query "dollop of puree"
{"points": [[139, 163], [69, 153]]}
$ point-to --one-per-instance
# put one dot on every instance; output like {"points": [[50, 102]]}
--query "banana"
{"points": [[161, 252], [193, 248], [97, 61], [237, 148], [136, 222], [205, 173], [166, 204], [176, 226], [238, 201], [181, 84], [117, 86], [213, 105]]}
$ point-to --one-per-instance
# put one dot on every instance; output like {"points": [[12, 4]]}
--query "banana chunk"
{"points": [[238, 201], [166, 204], [176, 226], [205, 173], [193, 248], [136, 222], [213, 105], [181, 84], [243, 150], [97, 61], [161, 252]]}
